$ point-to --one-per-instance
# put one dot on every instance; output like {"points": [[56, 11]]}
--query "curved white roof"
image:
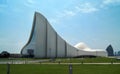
{"points": [[83, 46]]}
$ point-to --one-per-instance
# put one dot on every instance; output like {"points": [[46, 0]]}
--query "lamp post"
{"points": [[8, 68], [70, 69]]}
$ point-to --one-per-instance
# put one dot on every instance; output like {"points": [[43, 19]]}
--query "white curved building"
{"points": [[83, 49], [44, 42]]}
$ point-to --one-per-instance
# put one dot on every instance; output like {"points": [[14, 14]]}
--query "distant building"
{"points": [[15, 55], [84, 50], [110, 51], [44, 42]]}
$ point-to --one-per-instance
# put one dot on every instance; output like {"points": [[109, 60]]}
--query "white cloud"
{"points": [[54, 21], [105, 3], [86, 8], [30, 3], [61, 15], [69, 13], [75, 10], [82, 8], [66, 13], [110, 1]]}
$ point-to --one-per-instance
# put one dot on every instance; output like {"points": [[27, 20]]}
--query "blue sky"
{"points": [[94, 22]]}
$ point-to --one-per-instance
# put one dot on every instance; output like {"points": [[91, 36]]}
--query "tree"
{"points": [[110, 51], [118, 53], [5, 54]]}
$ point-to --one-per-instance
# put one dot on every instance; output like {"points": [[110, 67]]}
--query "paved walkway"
{"points": [[43, 62], [81, 63]]}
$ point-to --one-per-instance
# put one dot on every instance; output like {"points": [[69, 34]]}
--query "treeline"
{"points": [[4, 54]]}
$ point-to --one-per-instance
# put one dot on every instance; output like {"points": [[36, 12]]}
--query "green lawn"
{"points": [[60, 69], [89, 60], [68, 60]]}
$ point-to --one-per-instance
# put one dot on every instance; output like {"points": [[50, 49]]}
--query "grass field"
{"points": [[60, 69], [88, 60], [72, 60]]}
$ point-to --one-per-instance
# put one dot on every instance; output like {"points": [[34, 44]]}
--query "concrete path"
{"points": [[42, 62], [81, 63]]}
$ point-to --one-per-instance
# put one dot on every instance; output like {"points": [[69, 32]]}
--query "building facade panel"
{"points": [[40, 36], [51, 41], [60, 47], [71, 51]]}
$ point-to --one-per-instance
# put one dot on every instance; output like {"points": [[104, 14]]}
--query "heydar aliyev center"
{"points": [[44, 42]]}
